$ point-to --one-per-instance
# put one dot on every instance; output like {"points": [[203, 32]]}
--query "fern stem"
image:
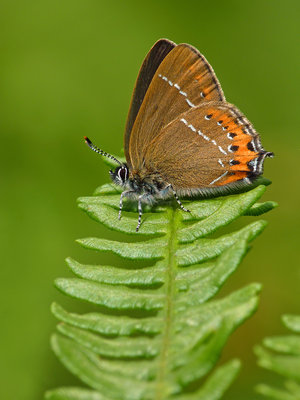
{"points": [[171, 266]]}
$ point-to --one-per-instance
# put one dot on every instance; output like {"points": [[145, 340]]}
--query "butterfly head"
{"points": [[120, 175]]}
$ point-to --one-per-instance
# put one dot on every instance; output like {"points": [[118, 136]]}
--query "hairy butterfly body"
{"points": [[182, 138]]}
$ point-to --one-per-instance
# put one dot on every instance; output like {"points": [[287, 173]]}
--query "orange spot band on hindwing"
{"points": [[233, 178]]}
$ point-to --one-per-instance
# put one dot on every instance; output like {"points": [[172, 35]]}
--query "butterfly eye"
{"points": [[122, 174]]}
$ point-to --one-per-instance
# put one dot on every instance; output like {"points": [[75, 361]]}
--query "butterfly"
{"points": [[182, 138]]}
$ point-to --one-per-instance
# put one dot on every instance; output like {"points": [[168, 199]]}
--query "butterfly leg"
{"points": [[140, 212], [178, 200], [123, 194]]}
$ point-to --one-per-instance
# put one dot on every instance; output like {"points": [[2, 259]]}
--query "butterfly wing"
{"points": [[182, 81], [152, 61], [208, 148]]}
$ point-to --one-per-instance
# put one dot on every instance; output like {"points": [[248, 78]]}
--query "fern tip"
{"points": [[53, 306], [235, 363]]}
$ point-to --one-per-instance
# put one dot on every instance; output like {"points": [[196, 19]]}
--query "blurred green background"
{"points": [[67, 69]]}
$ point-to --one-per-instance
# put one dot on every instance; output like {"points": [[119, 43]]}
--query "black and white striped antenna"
{"points": [[99, 151]]}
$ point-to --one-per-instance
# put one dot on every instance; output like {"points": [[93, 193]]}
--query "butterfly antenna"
{"points": [[99, 151]]}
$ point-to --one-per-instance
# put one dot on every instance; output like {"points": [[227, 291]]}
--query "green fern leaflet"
{"points": [[158, 332], [282, 357]]}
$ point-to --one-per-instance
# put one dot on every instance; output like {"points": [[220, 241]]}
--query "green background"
{"points": [[67, 69]]}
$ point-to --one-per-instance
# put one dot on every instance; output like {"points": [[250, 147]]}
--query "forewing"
{"points": [[152, 61], [209, 146], [183, 81]]}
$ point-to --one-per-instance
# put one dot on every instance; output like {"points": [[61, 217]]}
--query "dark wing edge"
{"points": [[241, 186], [209, 68], [150, 64]]}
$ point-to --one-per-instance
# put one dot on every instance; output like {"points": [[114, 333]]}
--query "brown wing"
{"points": [[183, 80], [209, 146], [152, 61]]}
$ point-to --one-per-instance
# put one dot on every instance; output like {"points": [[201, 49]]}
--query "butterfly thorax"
{"points": [[145, 181]]}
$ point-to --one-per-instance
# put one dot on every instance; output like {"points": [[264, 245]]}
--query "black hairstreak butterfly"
{"points": [[182, 138]]}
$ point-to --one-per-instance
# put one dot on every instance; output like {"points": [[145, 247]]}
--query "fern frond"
{"points": [[281, 354], [158, 332]]}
